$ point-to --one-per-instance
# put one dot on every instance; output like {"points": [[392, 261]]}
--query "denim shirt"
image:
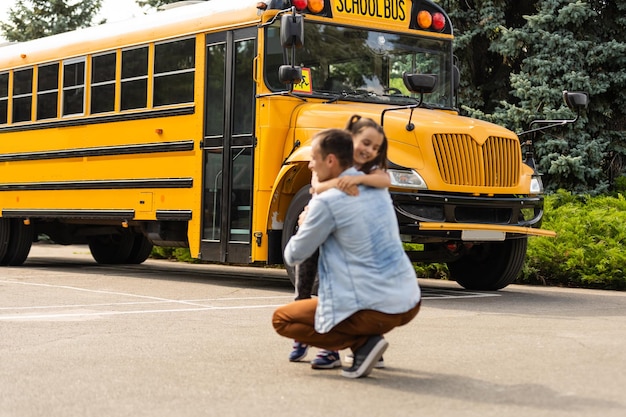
{"points": [[362, 264]]}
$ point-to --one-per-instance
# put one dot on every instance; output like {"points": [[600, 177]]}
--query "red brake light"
{"points": [[439, 21], [300, 4]]}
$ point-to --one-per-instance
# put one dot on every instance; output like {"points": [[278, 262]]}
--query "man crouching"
{"points": [[367, 285]]}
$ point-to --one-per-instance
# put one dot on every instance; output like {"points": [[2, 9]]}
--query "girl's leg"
{"points": [[306, 274], [305, 277]]}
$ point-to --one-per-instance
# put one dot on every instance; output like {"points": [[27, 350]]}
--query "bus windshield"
{"points": [[356, 64]]}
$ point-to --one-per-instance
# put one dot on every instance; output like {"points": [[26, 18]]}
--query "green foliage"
{"points": [[177, 254], [589, 248], [434, 270], [32, 19]]}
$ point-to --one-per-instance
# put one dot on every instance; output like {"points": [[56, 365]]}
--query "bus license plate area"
{"points": [[484, 235]]}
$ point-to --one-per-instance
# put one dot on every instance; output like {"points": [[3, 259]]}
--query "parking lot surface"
{"points": [[172, 339]]}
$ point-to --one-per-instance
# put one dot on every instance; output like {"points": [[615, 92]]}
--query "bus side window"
{"points": [[134, 78], [103, 83], [74, 87], [4, 98], [22, 95], [47, 91], [174, 66]]}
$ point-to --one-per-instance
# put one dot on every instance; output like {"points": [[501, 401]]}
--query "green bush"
{"points": [[178, 254], [588, 250]]}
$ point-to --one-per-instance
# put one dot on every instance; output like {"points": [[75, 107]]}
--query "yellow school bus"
{"points": [[191, 127]]}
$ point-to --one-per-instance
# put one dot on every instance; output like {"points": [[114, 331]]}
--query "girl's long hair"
{"points": [[357, 124]]}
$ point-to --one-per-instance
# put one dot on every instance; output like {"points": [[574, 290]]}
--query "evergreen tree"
{"points": [[32, 19], [572, 45], [484, 73]]}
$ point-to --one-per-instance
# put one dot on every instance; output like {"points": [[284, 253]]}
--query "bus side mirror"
{"points": [[291, 31], [420, 83], [576, 99], [290, 75]]}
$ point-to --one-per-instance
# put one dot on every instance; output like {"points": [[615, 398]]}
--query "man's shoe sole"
{"points": [[368, 364], [379, 365]]}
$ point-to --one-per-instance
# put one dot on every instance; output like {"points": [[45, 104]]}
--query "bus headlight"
{"points": [[406, 179], [536, 185]]}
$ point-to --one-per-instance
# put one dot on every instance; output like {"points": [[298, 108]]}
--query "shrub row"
{"points": [[588, 250]]}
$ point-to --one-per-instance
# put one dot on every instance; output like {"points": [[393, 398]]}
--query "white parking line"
{"points": [[27, 317], [67, 287], [198, 305]]}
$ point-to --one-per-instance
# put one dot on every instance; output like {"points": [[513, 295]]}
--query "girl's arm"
{"points": [[348, 183], [320, 187], [376, 178]]}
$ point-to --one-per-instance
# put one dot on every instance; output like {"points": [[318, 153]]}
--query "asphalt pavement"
{"points": [[171, 339]]}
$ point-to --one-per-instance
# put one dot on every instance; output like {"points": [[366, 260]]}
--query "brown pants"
{"points": [[297, 321]]}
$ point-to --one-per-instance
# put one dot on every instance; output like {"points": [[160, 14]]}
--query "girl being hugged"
{"points": [[370, 157]]}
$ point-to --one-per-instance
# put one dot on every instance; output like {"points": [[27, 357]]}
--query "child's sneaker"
{"points": [[299, 351], [326, 359]]}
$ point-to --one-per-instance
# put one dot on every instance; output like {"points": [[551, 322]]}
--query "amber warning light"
{"points": [[434, 21]]}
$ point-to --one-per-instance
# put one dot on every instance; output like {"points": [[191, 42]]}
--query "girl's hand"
{"points": [[348, 184]]}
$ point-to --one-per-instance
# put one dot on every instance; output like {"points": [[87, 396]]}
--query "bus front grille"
{"points": [[463, 161]]}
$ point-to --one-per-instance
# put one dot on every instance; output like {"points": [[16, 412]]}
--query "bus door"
{"points": [[228, 146]]}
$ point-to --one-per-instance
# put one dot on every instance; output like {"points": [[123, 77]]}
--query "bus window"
{"points": [[273, 56], [103, 83], [134, 78], [216, 61], [244, 97], [47, 91], [240, 199], [212, 194], [22, 95], [4, 98], [74, 87], [174, 64], [364, 65]]}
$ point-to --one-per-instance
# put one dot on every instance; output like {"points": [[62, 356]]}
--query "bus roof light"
{"points": [[316, 6], [424, 19], [439, 21], [300, 4]]}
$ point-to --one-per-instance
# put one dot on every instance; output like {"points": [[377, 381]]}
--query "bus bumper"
{"points": [[429, 217]]}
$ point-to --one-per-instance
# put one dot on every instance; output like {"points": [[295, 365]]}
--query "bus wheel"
{"points": [[112, 249], [490, 266], [4, 237], [20, 240], [141, 250], [298, 203]]}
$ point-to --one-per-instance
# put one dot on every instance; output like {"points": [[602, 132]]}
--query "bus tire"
{"points": [[112, 249], [5, 229], [490, 266], [141, 250], [290, 226], [19, 243]]}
